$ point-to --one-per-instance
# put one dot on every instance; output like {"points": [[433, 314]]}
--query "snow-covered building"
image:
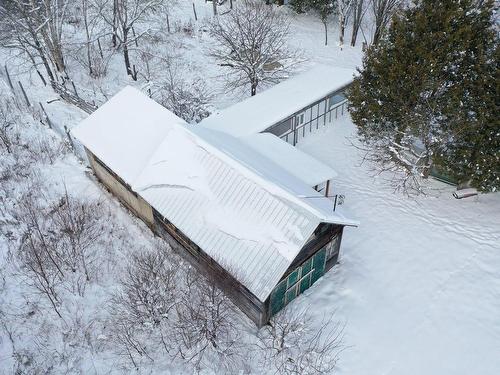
{"points": [[291, 109], [262, 232]]}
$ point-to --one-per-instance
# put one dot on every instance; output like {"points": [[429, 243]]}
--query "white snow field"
{"points": [[418, 284]]}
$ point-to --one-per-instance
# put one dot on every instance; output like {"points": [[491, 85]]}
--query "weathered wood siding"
{"points": [[121, 190], [239, 294]]}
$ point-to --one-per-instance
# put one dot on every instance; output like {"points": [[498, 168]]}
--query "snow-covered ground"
{"points": [[419, 282], [418, 285]]}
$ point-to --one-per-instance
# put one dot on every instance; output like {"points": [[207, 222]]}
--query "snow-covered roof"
{"points": [[241, 208], [296, 162], [269, 107], [125, 132]]}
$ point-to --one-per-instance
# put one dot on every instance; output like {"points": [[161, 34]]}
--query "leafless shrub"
{"points": [[37, 253], [80, 227], [143, 308], [206, 322], [163, 308], [291, 346], [252, 44], [187, 99], [149, 287], [57, 244], [92, 60], [187, 28]]}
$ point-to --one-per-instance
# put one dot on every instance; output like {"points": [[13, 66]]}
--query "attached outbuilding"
{"points": [[264, 234], [291, 109]]}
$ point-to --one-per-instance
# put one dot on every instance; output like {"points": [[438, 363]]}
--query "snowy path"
{"points": [[419, 280]]}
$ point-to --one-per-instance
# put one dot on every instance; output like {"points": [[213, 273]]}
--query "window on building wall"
{"points": [[332, 247], [336, 99], [281, 128], [299, 280]]}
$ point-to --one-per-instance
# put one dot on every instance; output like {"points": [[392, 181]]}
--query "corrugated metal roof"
{"points": [[259, 112], [241, 208], [250, 232], [295, 161]]}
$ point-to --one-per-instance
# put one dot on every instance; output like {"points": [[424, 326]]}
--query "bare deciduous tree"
{"points": [[382, 12], [38, 31], [359, 8], [125, 14], [344, 9], [323, 9], [252, 43]]}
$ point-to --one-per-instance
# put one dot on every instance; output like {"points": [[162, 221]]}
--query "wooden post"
{"points": [[24, 94], [69, 136], [74, 88], [327, 190], [42, 77], [8, 78], [100, 48], [46, 116], [194, 11]]}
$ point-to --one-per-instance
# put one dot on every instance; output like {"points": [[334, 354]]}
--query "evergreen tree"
{"points": [[428, 93], [323, 9]]}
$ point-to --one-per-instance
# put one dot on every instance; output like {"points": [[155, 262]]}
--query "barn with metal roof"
{"points": [[264, 233]]}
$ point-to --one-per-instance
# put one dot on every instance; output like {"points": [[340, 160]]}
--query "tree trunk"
{"points": [[357, 18], [378, 33], [253, 90], [342, 30], [168, 22], [87, 34], [214, 4], [354, 35], [126, 55], [326, 32], [115, 22]]}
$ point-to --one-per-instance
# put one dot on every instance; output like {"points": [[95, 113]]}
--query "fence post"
{"points": [[194, 11], [8, 77], [100, 48], [46, 116], [69, 137], [24, 94], [74, 88], [42, 78]]}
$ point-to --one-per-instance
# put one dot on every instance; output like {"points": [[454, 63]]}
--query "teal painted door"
{"points": [[298, 281]]}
